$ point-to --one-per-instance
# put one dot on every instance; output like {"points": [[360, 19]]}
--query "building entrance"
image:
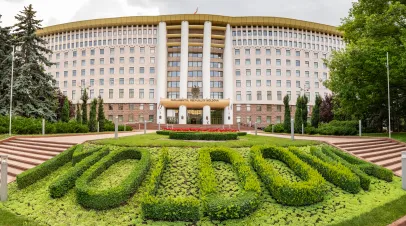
{"points": [[194, 116], [217, 117]]}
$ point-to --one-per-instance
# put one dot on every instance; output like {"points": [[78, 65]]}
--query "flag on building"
{"points": [[197, 9]]}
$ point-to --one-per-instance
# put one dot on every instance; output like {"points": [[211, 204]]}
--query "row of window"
{"points": [[109, 42], [120, 107], [112, 51], [269, 95], [112, 60], [278, 52], [112, 71], [121, 94], [213, 95], [288, 73], [279, 62], [265, 42], [278, 84]]}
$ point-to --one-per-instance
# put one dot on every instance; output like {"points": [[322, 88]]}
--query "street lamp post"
{"points": [[11, 90], [387, 69]]}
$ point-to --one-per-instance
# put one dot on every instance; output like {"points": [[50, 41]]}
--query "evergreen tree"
{"points": [[305, 112], [299, 115], [65, 115], [78, 114], [316, 112], [101, 117], [5, 68], [84, 99], [286, 124], [34, 92], [92, 117]]}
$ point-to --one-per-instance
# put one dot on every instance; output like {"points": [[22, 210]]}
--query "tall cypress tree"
{"points": [[100, 115], [305, 112], [92, 116], [286, 123], [34, 93], [65, 111], [5, 68], [316, 112], [84, 99], [298, 115], [78, 114]]}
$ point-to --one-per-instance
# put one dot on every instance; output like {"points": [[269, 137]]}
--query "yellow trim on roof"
{"points": [[194, 19]]}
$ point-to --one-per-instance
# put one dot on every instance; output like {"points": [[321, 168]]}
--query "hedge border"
{"points": [[202, 136], [37, 173], [67, 181], [166, 132], [214, 204], [173, 209], [79, 154], [96, 198], [369, 168], [365, 180], [309, 191], [337, 174]]}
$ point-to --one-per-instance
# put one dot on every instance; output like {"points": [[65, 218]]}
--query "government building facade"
{"points": [[192, 69]]}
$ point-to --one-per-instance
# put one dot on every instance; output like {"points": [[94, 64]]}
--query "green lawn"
{"points": [[155, 140], [3, 136], [396, 136], [10, 219]]}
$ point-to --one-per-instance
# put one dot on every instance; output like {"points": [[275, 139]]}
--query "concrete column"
{"points": [[206, 115], [162, 71], [228, 85], [182, 114], [184, 55], [206, 60]]}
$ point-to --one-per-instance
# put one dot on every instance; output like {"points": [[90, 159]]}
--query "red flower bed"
{"points": [[201, 130]]}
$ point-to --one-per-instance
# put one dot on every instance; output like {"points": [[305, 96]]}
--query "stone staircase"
{"points": [[383, 152], [24, 154]]}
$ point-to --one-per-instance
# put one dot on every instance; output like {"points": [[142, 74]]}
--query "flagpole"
{"points": [[11, 90], [387, 69]]}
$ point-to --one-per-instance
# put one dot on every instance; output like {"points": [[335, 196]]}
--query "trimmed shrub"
{"points": [[109, 126], [95, 198], [80, 153], [338, 128], [37, 173], [163, 132], [309, 191], [278, 128], [214, 204], [369, 168], [241, 134], [363, 177], [67, 181], [173, 209], [337, 174], [202, 136]]}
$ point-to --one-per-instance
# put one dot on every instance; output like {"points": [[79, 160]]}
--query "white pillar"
{"points": [[228, 85], [184, 55], [206, 115], [206, 60], [162, 71], [182, 114]]}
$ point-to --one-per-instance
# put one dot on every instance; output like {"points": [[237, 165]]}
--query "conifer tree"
{"points": [[286, 124], [92, 116], [305, 112], [78, 114], [100, 115], [84, 99], [316, 112], [298, 115], [5, 68], [65, 111]]}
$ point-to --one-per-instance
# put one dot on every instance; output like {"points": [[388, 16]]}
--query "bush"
{"points": [[109, 126], [95, 198], [173, 209], [163, 132], [363, 177], [202, 136], [241, 134], [214, 204], [37, 173], [337, 174], [80, 153], [67, 181], [310, 190], [369, 168], [278, 128], [338, 128], [310, 130]]}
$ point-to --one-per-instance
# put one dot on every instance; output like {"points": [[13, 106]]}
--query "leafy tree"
{"points": [[92, 117], [358, 74], [5, 68], [299, 115], [78, 114], [326, 109], [101, 117], [65, 116], [316, 112], [286, 123], [34, 93], [84, 99]]}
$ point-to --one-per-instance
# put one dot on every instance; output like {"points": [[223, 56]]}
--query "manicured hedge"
{"points": [[172, 209], [67, 181], [369, 168], [241, 133], [202, 136], [278, 128], [217, 206], [337, 174], [308, 191], [163, 132], [363, 177], [80, 153], [95, 198], [37, 173], [166, 132]]}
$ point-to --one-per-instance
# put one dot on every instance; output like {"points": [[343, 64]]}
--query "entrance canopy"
{"points": [[195, 103]]}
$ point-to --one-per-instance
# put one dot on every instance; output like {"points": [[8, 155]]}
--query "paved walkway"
{"points": [[78, 139]]}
